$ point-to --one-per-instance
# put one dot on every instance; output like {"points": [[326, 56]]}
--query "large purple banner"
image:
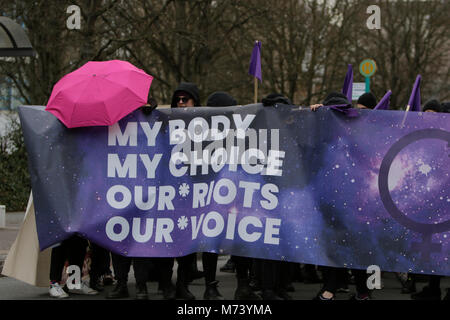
{"points": [[278, 182]]}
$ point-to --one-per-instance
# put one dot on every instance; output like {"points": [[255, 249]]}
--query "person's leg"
{"points": [[430, 292], [310, 274], [229, 266], [183, 277], [243, 291], [141, 269], [99, 264], [269, 279], [165, 271], [329, 283], [283, 279], [209, 261], [362, 291], [121, 266], [57, 261]]}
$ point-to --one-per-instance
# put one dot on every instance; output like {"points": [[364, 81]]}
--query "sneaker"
{"points": [[56, 291], [427, 294], [85, 289]]}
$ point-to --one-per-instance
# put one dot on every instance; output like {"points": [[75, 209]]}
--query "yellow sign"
{"points": [[367, 68]]}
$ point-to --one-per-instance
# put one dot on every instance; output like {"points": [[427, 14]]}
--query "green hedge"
{"points": [[14, 176]]}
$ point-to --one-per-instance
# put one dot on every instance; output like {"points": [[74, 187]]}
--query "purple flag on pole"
{"points": [[255, 61], [347, 89], [414, 100], [384, 102]]}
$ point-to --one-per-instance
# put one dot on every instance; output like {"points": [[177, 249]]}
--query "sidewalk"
{"points": [[9, 233], [12, 289]]}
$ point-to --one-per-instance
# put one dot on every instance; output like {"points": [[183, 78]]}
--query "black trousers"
{"points": [[243, 266], [275, 275], [361, 281], [165, 267], [100, 262], [122, 264], [72, 250], [332, 278], [209, 261]]}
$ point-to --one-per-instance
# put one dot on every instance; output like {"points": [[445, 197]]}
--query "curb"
{"points": [[2, 261]]}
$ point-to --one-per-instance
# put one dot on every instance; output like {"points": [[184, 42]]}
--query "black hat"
{"points": [[189, 88], [275, 98], [220, 99], [368, 100], [335, 98], [432, 104], [445, 107]]}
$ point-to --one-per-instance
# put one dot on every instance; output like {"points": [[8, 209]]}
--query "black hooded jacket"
{"points": [[191, 89]]}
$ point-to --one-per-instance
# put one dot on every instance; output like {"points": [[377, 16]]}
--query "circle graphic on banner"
{"points": [[427, 246], [368, 68]]}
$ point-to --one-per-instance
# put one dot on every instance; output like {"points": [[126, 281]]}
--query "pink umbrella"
{"points": [[99, 93]]}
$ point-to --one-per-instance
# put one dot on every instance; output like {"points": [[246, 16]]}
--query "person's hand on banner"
{"points": [[314, 107], [150, 106]]}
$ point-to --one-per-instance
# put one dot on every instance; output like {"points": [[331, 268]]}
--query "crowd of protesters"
{"points": [[256, 279]]}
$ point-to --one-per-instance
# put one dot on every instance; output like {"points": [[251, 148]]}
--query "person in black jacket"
{"points": [[185, 95]]}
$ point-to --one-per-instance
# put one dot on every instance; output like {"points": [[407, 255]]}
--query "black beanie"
{"points": [[275, 98], [191, 89], [335, 98], [368, 100], [432, 104], [446, 107], [220, 99]]}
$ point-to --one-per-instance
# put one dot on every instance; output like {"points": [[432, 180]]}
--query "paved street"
{"points": [[12, 289]]}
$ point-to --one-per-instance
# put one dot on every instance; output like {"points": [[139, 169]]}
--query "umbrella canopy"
{"points": [[100, 93]]}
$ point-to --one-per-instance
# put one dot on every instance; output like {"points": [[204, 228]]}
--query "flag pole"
{"points": [[256, 90], [256, 86], [404, 117]]}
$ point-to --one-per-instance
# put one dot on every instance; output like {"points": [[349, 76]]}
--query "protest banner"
{"points": [[279, 183]]}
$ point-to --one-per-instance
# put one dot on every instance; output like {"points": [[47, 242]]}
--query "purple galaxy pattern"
{"points": [[328, 201]]}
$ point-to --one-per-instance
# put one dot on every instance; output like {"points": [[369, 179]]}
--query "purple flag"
{"points": [[347, 89], [255, 62], [384, 102], [345, 109], [414, 100]]}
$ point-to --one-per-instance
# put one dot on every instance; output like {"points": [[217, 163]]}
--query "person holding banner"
{"points": [[366, 101], [122, 264], [432, 291], [186, 95], [275, 275], [209, 259], [334, 277]]}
